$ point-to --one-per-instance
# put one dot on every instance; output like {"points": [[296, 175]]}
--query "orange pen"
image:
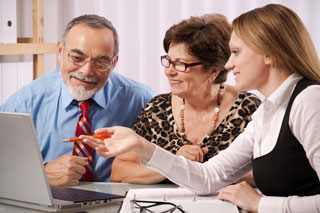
{"points": [[100, 136]]}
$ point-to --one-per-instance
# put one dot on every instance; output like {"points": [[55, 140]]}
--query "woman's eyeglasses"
{"points": [[177, 65]]}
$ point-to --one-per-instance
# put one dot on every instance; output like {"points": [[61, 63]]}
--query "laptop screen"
{"points": [[22, 172], [23, 176]]}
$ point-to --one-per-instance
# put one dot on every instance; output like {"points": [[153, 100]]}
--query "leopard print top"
{"points": [[156, 123]]}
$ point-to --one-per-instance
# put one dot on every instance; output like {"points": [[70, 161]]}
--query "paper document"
{"points": [[185, 199]]}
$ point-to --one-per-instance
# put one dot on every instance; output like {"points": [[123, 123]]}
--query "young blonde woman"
{"points": [[273, 53]]}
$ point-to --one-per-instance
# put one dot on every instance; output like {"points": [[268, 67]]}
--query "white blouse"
{"points": [[259, 138]]}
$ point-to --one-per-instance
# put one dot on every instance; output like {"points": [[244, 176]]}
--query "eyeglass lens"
{"points": [[179, 66]]}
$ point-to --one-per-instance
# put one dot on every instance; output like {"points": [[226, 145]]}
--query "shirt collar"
{"points": [[100, 98], [67, 99], [285, 90]]}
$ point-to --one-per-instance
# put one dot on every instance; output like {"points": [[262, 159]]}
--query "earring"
{"points": [[267, 60]]}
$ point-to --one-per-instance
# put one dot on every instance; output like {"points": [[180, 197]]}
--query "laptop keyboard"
{"points": [[80, 195]]}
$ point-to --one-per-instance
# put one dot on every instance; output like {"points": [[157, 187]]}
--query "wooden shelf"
{"points": [[27, 48]]}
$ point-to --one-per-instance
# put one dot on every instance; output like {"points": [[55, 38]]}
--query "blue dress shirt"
{"points": [[55, 114]]}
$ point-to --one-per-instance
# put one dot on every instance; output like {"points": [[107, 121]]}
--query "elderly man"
{"points": [[77, 99]]}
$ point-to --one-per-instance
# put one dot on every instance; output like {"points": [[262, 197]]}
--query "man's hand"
{"points": [[66, 170], [192, 152]]}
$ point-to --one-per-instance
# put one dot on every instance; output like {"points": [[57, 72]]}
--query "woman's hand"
{"points": [[122, 140], [242, 195], [192, 152]]}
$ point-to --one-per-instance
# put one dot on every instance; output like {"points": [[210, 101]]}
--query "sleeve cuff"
{"points": [[161, 161], [271, 204]]}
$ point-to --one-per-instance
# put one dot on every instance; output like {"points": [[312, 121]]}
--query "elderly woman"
{"points": [[201, 116]]}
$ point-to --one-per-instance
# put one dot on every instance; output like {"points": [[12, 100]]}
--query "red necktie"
{"points": [[79, 148]]}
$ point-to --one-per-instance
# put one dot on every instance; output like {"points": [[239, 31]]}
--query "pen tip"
{"points": [[65, 140]]}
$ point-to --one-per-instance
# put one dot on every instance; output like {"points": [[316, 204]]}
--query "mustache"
{"points": [[84, 78]]}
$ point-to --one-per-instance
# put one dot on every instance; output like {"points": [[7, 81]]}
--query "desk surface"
{"points": [[114, 188]]}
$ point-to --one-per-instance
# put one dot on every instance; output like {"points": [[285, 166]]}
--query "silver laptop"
{"points": [[23, 180]]}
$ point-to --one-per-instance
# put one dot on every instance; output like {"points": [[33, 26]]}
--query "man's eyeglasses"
{"points": [[79, 60], [177, 65], [150, 206]]}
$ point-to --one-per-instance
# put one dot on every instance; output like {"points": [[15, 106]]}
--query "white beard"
{"points": [[80, 93]]}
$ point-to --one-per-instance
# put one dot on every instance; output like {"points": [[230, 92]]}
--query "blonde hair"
{"points": [[278, 32]]}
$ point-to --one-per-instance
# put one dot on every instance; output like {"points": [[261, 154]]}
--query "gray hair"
{"points": [[94, 21]]}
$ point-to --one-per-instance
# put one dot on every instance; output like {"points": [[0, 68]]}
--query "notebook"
{"points": [[167, 199], [23, 180]]}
